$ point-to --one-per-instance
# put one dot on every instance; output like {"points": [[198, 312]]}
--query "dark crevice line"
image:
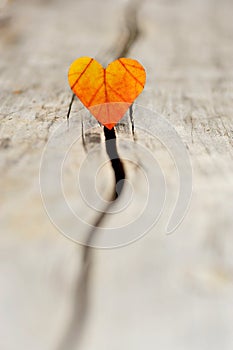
{"points": [[82, 285], [131, 27], [70, 106], [133, 32], [119, 172], [74, 331], [73, 334], [83, 136], [116, 162], [132, 120]]}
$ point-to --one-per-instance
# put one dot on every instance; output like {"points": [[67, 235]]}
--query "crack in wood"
{"points": [[80, 303]]}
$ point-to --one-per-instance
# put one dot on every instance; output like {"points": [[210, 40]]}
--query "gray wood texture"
{"points": [[161, 292]]}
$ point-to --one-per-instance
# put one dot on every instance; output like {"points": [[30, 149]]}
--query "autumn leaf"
{"points": [[107, 92]]}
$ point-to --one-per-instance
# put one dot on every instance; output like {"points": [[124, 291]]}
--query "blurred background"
{"points": [[161, 292]]}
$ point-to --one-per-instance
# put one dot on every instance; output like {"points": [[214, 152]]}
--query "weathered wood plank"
{"points": [[167, 292]]}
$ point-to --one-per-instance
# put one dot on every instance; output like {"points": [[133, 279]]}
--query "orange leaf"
{"points": [[107, 92]]}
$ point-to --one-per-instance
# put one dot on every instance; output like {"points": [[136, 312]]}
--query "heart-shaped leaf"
{"points": [[107, 92]]}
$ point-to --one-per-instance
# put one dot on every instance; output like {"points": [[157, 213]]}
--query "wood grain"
{"points": [[166, 292]]}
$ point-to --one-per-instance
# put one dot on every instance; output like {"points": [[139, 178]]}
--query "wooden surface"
{"points": [[161, 292]]}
